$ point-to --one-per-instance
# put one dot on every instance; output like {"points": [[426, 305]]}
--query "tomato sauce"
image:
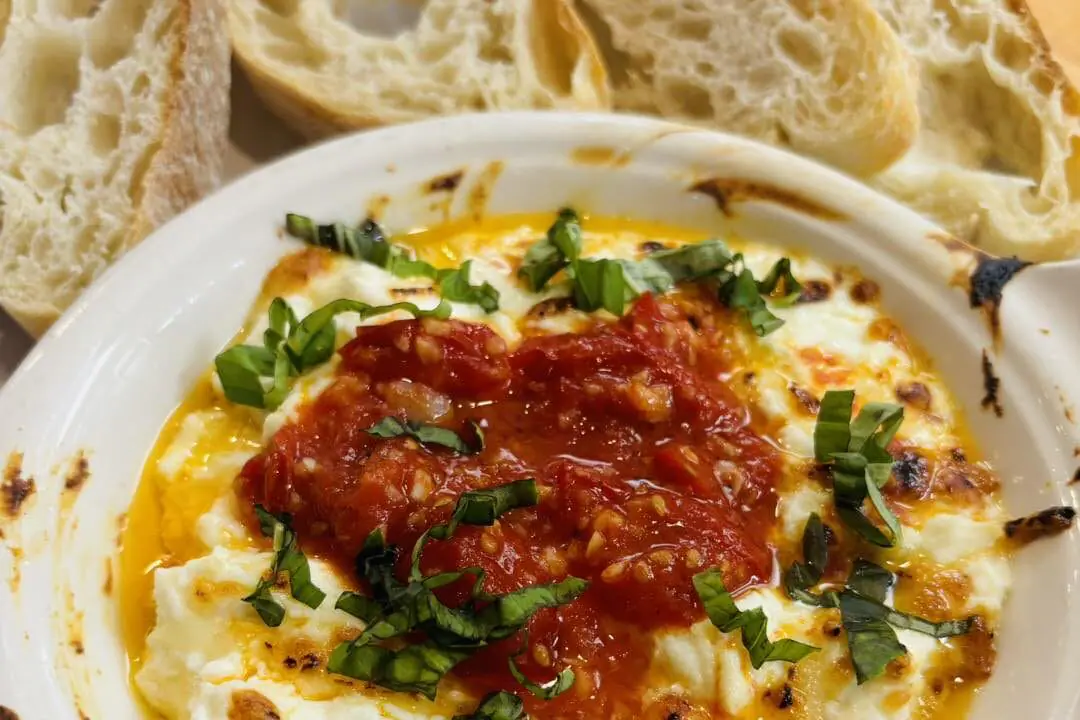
{"points": [[648, 468]]}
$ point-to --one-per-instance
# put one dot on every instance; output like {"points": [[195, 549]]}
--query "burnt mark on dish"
{"points": [[445, 183], [1075, 477], [78, 474], [991, 387], [107, 585], [376, 208], [599, 155], [725, 192], [1045, 523], [814, 291], [914, 394], [988, 282], [15, 489], [480, 192]]}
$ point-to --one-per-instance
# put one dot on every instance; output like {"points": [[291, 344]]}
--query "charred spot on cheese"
{"points": [[651, 246], [914, 394], [551, 306], [787, 697], [814, 291], [988, 282], [912, 472], [251, 705], [1044, 523], [445, 183], [79, 473], [807, 401], [991, 386], [727, 191], [15, 489], [865, 291]]}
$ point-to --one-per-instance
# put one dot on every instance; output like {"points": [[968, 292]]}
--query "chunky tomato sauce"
{"points": [[648, 469]]}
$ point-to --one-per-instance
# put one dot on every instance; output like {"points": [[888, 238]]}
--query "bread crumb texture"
{"points": [[113, 117]]}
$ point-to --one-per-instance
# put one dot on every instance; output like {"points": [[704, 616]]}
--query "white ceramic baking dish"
{"points": [[101, 384]]}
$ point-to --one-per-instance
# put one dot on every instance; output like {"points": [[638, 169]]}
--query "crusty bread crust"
{"points": [[190, 160], [312, 101]]}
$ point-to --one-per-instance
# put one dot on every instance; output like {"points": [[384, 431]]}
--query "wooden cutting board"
{"points": [[1060, 23]]}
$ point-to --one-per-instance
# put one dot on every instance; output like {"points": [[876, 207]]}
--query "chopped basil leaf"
{"points": [[454, 286], [478, 507], [510, 612], [367, 242], [726, 616], [259, 376], [270, 610], [873, 429], [548, 691], [780, 276], [359, 606], [832, 432], [481, 440], [415, 668], [552, 253], [601, 284], [391, 427], [871, 642], [694, 262], [396, 608], [500, 705], [800, 577], [861, 463], [870, 580], [312, 342], [289, 560], [740, 292], [241, 369]]}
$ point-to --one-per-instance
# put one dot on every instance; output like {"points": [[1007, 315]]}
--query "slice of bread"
{"points": [[113, 117], [827, 78], [998, 158], [322, 75]]}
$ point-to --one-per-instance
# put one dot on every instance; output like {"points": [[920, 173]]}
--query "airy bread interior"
{"points": [[998, 157], [825, 77], [100, 135]]}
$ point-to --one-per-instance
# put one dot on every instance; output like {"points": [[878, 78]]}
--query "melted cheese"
{"points": [[207, 648]]}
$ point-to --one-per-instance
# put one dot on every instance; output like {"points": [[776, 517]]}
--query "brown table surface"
{"points": [[258, 137]]}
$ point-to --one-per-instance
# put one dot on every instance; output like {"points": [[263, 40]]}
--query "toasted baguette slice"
{"points": [[322, 75], [113, 117], [998, 158], [826, 77]]}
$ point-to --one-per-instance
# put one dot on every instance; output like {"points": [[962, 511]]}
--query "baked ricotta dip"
{"points": [[582, 469]]}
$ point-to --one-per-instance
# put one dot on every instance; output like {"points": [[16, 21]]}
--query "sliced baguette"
{"points": [[998, 158], [113, 117], [323, 76], [826, 77]]}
